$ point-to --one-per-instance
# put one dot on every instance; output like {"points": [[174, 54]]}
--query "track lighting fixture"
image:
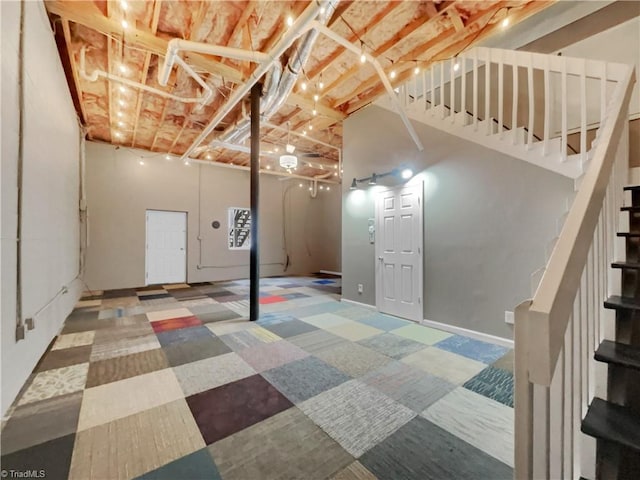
{"points": [[354, 184]]}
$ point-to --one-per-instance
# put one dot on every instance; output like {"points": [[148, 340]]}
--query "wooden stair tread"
{"points": [[613, 423], [618, 302], [628, 265], [618, 354]]}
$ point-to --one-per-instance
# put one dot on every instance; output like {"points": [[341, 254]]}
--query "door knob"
{"points": [[380, 258]]}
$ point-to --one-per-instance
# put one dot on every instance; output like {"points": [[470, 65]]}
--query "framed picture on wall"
{"points": [[239, 228]]}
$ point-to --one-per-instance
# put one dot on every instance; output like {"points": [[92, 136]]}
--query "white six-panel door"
{"points": [[399, 252], [166, 247]]}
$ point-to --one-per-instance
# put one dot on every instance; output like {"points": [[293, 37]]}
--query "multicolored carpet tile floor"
{"points": [[172, 382]]}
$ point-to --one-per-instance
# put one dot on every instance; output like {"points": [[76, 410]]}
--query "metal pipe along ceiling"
{"points": [[278, 89]]}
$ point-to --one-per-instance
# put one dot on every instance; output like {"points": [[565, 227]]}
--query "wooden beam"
{"points": [[90, 16], [308, 104], [456, 20], [74, 69], [459, 42], [145, 70], [391, 6], [418, 23]]}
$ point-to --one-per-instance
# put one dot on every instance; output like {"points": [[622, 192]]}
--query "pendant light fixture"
{"points": [[288, 160]]}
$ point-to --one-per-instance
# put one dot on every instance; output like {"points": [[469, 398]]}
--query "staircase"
{"points": [[615, 422], [574, 418]]}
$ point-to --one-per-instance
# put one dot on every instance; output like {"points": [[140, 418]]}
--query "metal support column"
{"points": [[254, 262]]}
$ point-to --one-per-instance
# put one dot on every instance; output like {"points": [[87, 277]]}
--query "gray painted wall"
{"points": [[487, 219], [50, 252], [120, 190]]}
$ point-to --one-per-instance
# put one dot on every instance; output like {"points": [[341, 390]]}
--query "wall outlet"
{"points": [[360, 288], [508, 317]]}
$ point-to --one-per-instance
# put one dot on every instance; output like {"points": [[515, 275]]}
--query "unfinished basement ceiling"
{"points": [[402, 35]]}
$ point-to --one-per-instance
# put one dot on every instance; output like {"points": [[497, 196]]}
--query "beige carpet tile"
{"points": [[39, 422], [353, 359], [64, 357], [135, 444], [449, 366], [356, 416], [123, 302], [73, 340], [354, 331], [111, 401], [422, 334], [316, 341], [231, 326], [196, 377], [53, 383], [124, 346], [168, 314], [270, 355], [355, 471], [88, 303], [285, 446], [478, 420], [126, 366]]}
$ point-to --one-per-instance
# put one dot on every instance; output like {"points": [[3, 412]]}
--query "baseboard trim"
{"points": [[358, 304], [329, 272], [485, 337]]}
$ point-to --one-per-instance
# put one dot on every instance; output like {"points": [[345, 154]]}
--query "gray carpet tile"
{"points": [[421, 450], [291, 328], [408, 385], [392, 345], [52, 457], [195, 466], [39, 422], [305, 378], [218, 316], [316, 341], [194, 350], [353, 359], [286, 446], [356, 416]]}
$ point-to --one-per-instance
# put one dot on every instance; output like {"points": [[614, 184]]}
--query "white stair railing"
{"points": [[539, 108], [557, 331]]}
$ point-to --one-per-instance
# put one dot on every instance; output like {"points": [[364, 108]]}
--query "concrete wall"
{"points": [[487, 219], [120, 190], [50, 238]]}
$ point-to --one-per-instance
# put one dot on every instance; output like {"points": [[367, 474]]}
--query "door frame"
{"points": [[419, 186], [186, 243]]}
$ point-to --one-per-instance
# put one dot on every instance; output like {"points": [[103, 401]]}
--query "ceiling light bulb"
{"points": [[304, 86], [321, 187], [120, 114], [310, 127], [392, 74], [122, 89], [125, 24], [322, 10], [276, 149], [456, 67], [123, 68], [310, 188], [335, 167], [407, 173], [304, 132], [208, 156], [416, 70], [118, 134], [300, 185], [124, 5], [289, 20], [315, 112], [505, 22], [122, 103], [121, 124], [321, 85], [186, 162], [268, 167], [316, 97], [335, 174], [141, 162], [328, 189], [168, 157], [363, 58]]}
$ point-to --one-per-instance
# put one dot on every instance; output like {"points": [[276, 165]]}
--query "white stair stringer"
{"points": [[462, 125]]}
